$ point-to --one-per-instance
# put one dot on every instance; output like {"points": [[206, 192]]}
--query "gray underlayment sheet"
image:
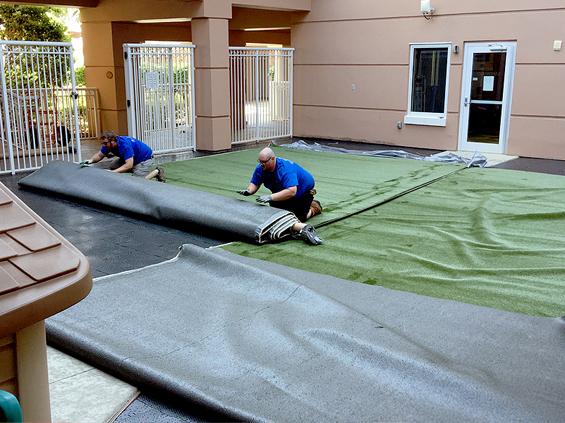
{"points": [[170, 205], [263, 342]]}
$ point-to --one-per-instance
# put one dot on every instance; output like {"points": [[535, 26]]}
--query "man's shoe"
{"points": [[307, 234], [161, 175], [316, 208]]}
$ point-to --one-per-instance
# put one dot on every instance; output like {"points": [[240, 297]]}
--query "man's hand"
{"points": [[246, 192], [264, 199], [85, 163]]}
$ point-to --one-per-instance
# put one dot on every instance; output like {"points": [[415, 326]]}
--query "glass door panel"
{"points": [[484, 123], [487, 90], [488, 76], [486, 96]]}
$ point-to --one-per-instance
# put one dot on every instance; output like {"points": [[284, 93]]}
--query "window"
{"points": [[429, 76]]}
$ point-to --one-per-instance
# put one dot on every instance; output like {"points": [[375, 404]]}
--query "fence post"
{"points": [[74, 95], [130, 105], [291, 91], [256, 67], [8, 128]]}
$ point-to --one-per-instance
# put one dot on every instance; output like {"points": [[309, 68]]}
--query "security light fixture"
{"points": [[426, 8]]}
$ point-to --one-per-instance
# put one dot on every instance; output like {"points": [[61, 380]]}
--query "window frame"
{"points": [[427, 118]]}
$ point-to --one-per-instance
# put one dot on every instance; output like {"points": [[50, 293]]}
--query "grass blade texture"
{"points": [[490, 237]]}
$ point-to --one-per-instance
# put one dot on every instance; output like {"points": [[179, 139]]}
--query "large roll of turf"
{"points": [[173, 206]]}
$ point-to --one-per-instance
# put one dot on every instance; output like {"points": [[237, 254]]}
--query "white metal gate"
{"points": [[160, 95], [38, 105], [261, 93]]}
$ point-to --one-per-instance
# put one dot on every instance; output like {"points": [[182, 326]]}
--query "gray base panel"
{"points": [[256, 341]]}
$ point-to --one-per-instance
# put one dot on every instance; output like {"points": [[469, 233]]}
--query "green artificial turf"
{"points": [[345, 184], [490, 237]]}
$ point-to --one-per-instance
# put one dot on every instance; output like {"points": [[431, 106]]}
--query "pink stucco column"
{"points": [[211, 83]]}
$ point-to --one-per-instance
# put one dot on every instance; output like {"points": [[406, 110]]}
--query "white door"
{"points": [[488, 74]]}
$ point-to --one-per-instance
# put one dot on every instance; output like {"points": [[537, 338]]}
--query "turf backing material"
{"points": [[259, 342], [489, 237], [169, 205], [345, 184]]}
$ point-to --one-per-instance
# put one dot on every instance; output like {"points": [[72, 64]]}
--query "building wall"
{"points": [[208, 23], [367, 43]]}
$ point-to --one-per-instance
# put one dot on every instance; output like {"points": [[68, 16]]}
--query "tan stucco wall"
{"points": [[339, 43], [367, 43], [241, 38]]}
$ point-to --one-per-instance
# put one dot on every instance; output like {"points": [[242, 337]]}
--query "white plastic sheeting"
{"points": [[477, 160]]}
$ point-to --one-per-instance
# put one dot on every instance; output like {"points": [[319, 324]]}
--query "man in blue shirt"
{"points": [[292, 188], [134, 156]]}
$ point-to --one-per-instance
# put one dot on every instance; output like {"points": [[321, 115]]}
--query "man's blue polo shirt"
{"points": [[130, 147], [286, 174]]}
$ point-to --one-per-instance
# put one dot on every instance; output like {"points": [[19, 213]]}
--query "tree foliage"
{"points": [[80, 79], [32, 23], [30, 65]]}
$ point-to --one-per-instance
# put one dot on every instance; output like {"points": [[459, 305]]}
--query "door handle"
{"points": [[466, 101]]}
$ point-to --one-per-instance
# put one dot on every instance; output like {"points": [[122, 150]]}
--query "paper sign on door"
{"points": [[488, 83]]}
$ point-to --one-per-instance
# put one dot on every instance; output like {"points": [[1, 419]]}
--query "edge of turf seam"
{"points": [[388, 200]]}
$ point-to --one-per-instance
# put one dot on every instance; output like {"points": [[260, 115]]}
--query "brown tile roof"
{"points": [[41, 273]]}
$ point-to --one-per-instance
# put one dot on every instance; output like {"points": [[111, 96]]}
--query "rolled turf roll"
{"points": [[181, 208]]}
